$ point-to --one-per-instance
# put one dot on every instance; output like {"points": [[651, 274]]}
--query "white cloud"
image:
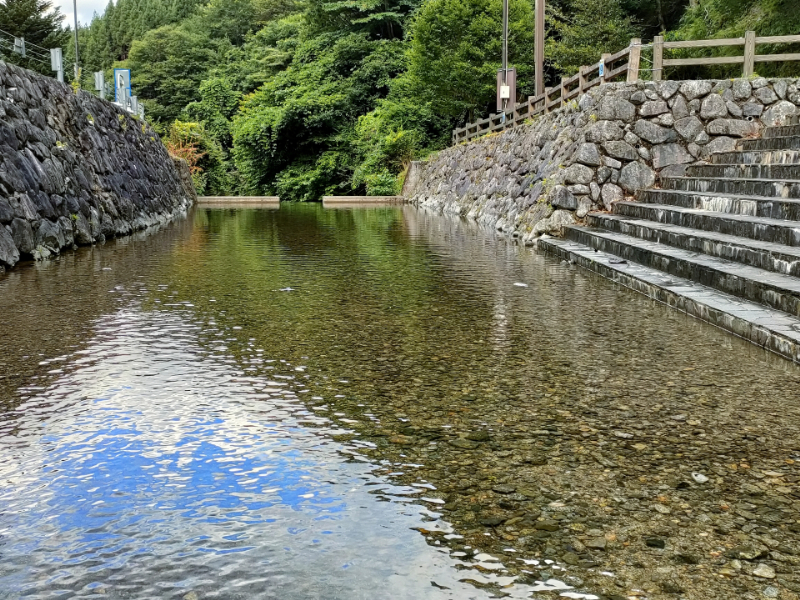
{"points": [[86, 9]]}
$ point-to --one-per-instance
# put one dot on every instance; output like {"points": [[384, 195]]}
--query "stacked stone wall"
{"points": [[75, 169], [602, 148]]}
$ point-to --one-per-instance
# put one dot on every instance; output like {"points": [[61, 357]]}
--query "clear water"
{"points": [[282, 404]]}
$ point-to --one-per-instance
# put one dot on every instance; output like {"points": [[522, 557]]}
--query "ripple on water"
{"points": [[147, 468]]}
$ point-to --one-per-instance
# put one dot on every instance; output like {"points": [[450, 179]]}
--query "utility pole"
{"points": [[77, 58], [539, 47], [505, 48]]}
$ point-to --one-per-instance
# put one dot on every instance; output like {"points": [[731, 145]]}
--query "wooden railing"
{"points": [[611, 67], [748, 59]]}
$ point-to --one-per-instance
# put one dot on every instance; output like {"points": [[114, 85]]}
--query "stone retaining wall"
{"points": [[75, 169], [612, 141]]}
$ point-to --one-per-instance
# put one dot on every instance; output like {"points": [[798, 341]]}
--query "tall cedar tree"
{"points": [[39, 22]]}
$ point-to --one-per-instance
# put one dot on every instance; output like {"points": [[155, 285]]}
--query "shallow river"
{"points": [[379, 403]]}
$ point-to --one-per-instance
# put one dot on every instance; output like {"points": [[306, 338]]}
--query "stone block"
{"points": [[752, 109], [689, 128], [578, 174], [636, 176], [734, 109], [713, 107], [720, 144], [561, 197], [680, 108], [612, 163], [741, 89], [653, 108], [22, 233], [695, 89], [655, 134], [765, 95], [588, 154], [614, 108], [604, 131], [611, 193], [668, 88], [665, 155], [734, 127], [621, 150], [9, 255], [779, 114]]}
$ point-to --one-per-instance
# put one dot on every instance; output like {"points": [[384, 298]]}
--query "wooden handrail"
{"points": [[589, 76]]}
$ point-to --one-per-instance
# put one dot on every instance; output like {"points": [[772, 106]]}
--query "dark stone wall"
{"points": [[75, 170]]}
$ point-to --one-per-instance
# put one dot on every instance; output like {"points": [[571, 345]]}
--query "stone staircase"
{"points": [[721, 243]]}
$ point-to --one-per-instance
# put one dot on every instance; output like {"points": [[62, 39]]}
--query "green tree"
{"points": [[39, 22], [585, 29], [456, 51], [168, 64]]}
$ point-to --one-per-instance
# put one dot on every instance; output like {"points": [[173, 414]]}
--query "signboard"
{"points": [[122, 85], [602, 68], [506, 89], [57, 63]]}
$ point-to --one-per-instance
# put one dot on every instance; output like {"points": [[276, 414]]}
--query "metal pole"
{"points": [[539, 47], [505, 47], [77, 58]]}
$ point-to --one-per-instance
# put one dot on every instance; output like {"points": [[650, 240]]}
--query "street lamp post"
{"points": [[77, 58], [539, 47]]}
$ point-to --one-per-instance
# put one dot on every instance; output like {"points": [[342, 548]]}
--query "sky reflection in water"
{"points": [[154, 467]]}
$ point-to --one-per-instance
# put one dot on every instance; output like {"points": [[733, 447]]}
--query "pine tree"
{"points": [[39, 22]]}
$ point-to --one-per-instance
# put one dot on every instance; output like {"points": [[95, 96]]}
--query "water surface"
{"points": [[377, 403]]}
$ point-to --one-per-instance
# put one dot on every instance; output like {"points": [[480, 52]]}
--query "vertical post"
{"points": [[604, 60], [57, 63], [634, 59], [658, 57], [77, 57], [582, 79], [563, 91], [539, 47], [749, 53], [547, 99], [504, 102]]}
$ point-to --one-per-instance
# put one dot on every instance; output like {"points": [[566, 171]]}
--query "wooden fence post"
{"points": [[749, 53], [634, 58], [658, 57], [582, 80], [547, 92], [606, 69], [563, 91]]}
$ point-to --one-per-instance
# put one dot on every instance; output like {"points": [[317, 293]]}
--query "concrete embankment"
{"points": [[75, 170], [615, 140]]}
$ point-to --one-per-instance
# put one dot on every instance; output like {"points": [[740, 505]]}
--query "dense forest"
{"points": [[302, 98]]}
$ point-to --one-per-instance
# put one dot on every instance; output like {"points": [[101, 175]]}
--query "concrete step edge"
{"points": [[773, 330], [733, 240], [749, 197]]}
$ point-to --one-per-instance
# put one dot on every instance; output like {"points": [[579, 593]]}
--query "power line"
{"points": [[27, 43]]}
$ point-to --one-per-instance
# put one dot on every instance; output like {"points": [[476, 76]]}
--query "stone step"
{"points": [[757, 157], [754, 206], [739, 187], [776, 143], [764, 255], [771, 329], [785, 131], [746, 171], [776, 290], [763, 229]]}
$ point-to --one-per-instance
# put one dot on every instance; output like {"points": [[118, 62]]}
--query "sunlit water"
{"points": [[204, 412]]}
